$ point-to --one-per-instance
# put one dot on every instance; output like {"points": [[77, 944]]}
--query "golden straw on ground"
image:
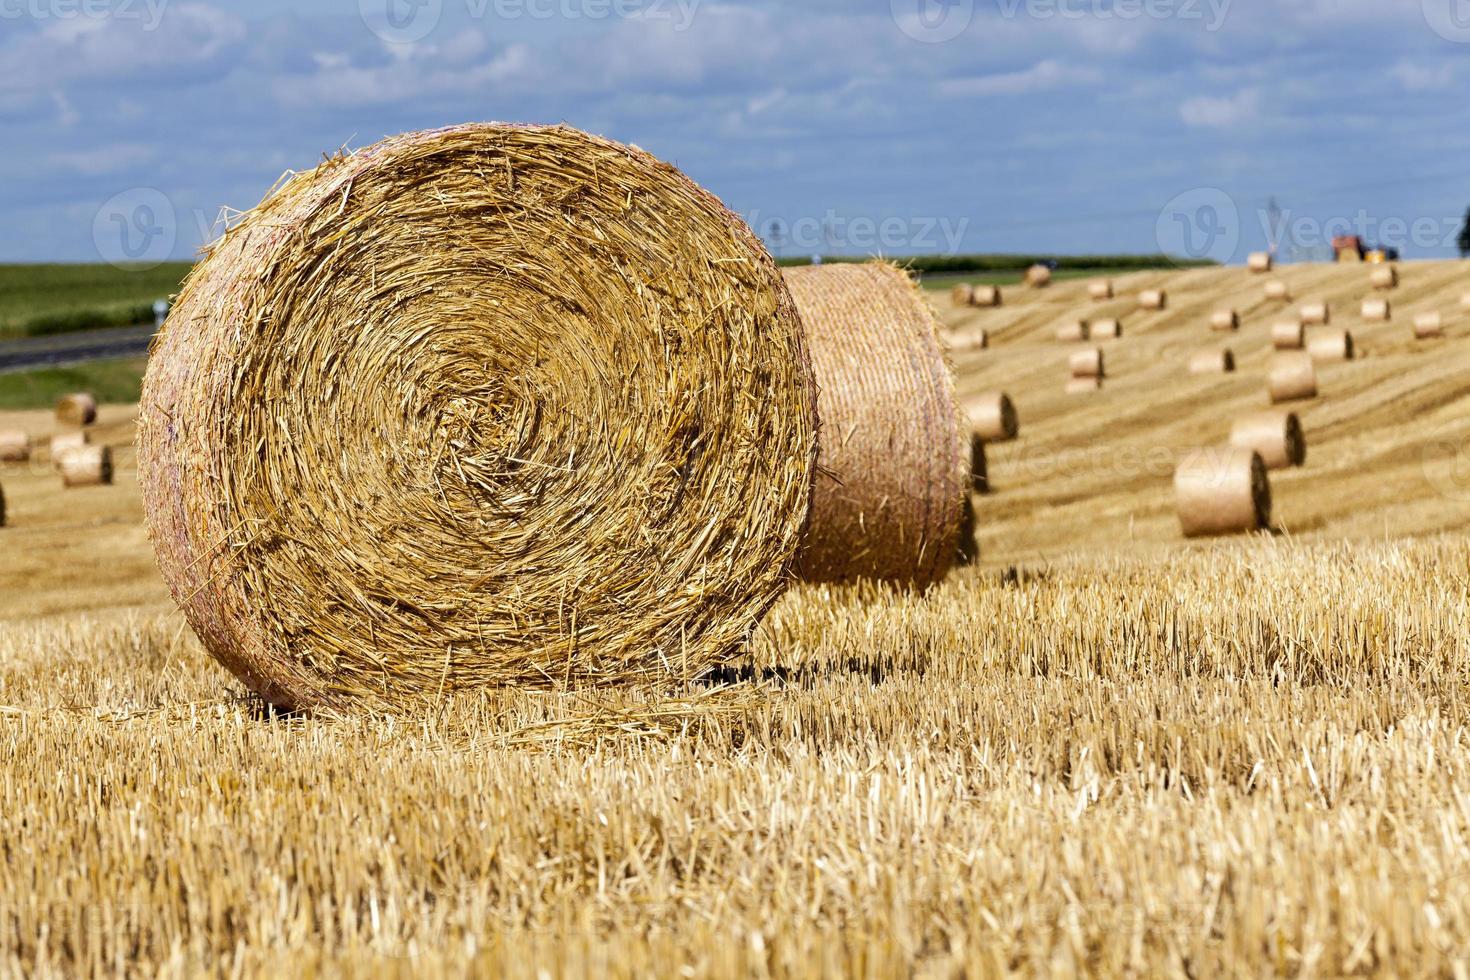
{"points": [[1222, 491], [1080, 386]]}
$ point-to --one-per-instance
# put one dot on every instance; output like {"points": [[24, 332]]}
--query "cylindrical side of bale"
{"points": [[969, 340], [1377, 309], [1334, 345], [85, 466], [1212, 362], [1292, 376], [1080, 386], [979, 468], [1038, 275], [64, 442], [1086, 363], [992, 416], [1153, 299], [1100, 289], [1224, 320], [985, 295], [1384, 277], [894, 469], [962, 294], [1316, 313], [1426, 325], [1105, 329], [78, 408], [483, 406], [1276, 436], [15, 446], [1259, 262], [1277, 290], [1074, 331], [1288, 335], [1222, 491]]}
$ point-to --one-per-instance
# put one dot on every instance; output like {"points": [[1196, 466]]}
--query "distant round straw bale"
{"points": [[969, 340], [1276, 436], [78, 408], [979, 468], [1086, 363], [1292, 376], [985, 295], [63, 442], [992, 416], [1038, 275], [1465, 300], [1332, 345], [1222, 491], [479, 406], [1426, 325], [1080, 386], [85, 466], [1384, 277], [15, 446], [1278, 290], [1153, 299], [1074, 331], [1220, 361], [962, 294], [1316, 313], [1259, 262], [1107, 328], [894, 471], [1377, 309], [1224, 320], [1288, 334], [1100, 289]]}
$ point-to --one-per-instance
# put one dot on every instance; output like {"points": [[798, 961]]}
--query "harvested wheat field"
{"points": [[1100, 750]]}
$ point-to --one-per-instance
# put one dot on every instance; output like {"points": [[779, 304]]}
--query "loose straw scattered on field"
{"points": [[1224, 320], [1086, 363], [1426, 326], [1080, 386], [1074, 331], [1333, 345], [1107, 328], [78, 408], [478, 406], [1292, 376], [972, 339], [1259, 262], [1222, 491], [1100, 289], [894, 469], [1316, 313], [1038, 276], [1377, 309], [962, 294], [1288, 334], [1384, 277], [1220, 361], [1153, 299], [1278, 290], [1276, 436], [15, 446], [992, 416], [85, 466], [985, 295]]}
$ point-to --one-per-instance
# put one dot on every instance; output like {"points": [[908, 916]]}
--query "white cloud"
{"points": [[97, 161], [1040, 77], [1221, 112], [1416, 76]]}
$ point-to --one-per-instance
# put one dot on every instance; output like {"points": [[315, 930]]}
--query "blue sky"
{"points": [[868, 126]]}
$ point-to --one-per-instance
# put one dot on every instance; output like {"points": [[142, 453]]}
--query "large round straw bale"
{"points": [[1086, 363], [894, 470], [1153, 299], [1107, 328], [78, 408], [1224, 320], [1074, 331], [1259, 262], [1316, 313], [1377, 309], [969, 340], [1384, 277], [985, 295], [64, 442], [1426, 325], [85, 466], [1100, 289], [1081, 386], [1038, 275], [15, 446], [1288, 334], [1276, 436], [961, 294], [1222, 491], [1292, 376], [992, 416], [1278, 290], [478, 406], [1220, 361], [1333, 345], [979, 468]]}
